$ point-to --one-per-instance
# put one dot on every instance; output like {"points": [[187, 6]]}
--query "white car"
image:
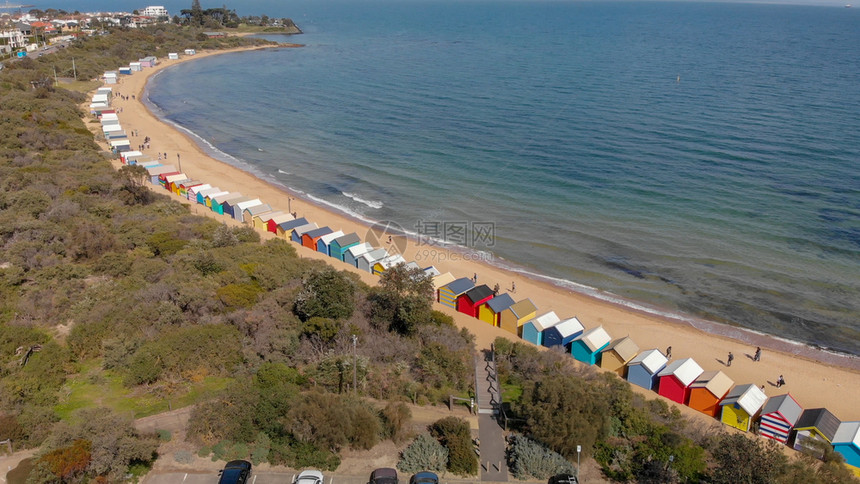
{"points": [[309, 477]]}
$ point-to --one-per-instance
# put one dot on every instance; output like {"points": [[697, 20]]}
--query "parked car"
{"points": [[563, 479], [424, 478], [385, 475], [235, 472], [310, 476]]}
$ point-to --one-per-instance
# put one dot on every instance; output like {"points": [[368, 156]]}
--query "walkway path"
{"points": [[490, 432]]}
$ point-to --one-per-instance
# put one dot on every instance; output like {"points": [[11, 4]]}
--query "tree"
{"points": [[739, 459], [327, 293], [455, 435]]}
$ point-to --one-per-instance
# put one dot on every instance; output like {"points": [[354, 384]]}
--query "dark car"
{"points": [[424, 478], [385, 475], [235, 472], [563, 479]]}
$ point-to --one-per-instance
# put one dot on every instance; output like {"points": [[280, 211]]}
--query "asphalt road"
{"points": [[257, 478]]}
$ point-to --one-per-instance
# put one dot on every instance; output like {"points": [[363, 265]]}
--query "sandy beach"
{"points": [[815, 378]]}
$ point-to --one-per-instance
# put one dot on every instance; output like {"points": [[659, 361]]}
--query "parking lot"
{"points": [[257, 478]]}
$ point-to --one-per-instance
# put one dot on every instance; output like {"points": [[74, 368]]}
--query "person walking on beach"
{"points": [[496, 290], [780, 381], [668, 352], [730, 359], [475, 278], [757, 356], [513, 286]]}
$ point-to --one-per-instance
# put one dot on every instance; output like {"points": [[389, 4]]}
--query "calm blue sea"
{"points": [[700, 158]]}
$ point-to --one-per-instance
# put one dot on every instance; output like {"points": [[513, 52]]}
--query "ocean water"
{"points": [[701, 159]]}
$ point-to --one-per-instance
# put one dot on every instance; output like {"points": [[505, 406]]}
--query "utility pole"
{"points": [[56, 82], [74, 69], [354, 365]]}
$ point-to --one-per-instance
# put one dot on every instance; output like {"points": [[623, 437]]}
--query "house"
{"points": [[440, 281], [815, 424], [383, 265], [644, 368], [616, 355], [261, 220], [707, 391], [517, 315], [846, 441], [354, 252], [297, 233], [190, 52], [561, 334], [310, 238], [285, 229], [253, 211], [491, 311], [187, 185], [587, 346], [324, 243], [533, 330], [471, 300], [451, 292], [365, 261], [338, 247], [778, 418], [276, 220], [240, 207], [676, 378], [741, 405]]}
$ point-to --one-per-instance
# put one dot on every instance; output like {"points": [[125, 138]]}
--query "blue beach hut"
{"points": [[533, 330], [847, 442], [587, 347], [298, 232], [324, 242], [643, 369], [338, 246], [449, 293], [351, 255], [562, 333]]}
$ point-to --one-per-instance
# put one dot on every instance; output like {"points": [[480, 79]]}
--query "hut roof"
{"points": [[821, 419], [716, 382], [391, 261], [847, 433], [317, 232], [625, 347], [460, 286], [786, 406], [275, 215], [479, 293], [523, 308], [234, 202], [500, 302], [303, 229], [568, 327], [258, 209], [651, 360], [226, 197], [686, 371], [248, 204], [375, 255], [412, 265], [199, 188], [158, 170], [329, 238], [291, 224], [594, 338], [748, 396], [357, 250], [431, 271], [347, 239], [443, 279], [545, 320]]}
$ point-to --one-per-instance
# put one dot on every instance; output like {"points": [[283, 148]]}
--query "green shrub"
{"points": [[424, 454], [455, 435], [326, 293], [183, 457], [164, 435], [528, 459]]}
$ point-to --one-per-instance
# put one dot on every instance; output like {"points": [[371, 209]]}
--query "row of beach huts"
{"points": [[742, 406]]}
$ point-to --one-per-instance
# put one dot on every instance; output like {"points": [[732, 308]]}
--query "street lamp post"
{"points": [[354, 365], [578, 450]]}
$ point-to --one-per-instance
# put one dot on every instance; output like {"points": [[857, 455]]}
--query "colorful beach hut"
{"points": [[643, 370], [587, 346], [219, 203], [533, 330], [470, 302], [441, 281], [490, 311], [285, 229], [210, 200], [562, 333], [154, 172], [310, 238], [276, 220], [297, 233], [365, 261], [778, 417], [324, 243], [451, 292], [168, 181], [741, 405], [707, 391], [815, 424], [239, 208], [846, 441], [616, 355], [676, 378], [517, 315], [351, 255], [204, 193], [231, 205], [249, 213], [383, 265], [196, 189], [338, 247], [261, 221]]}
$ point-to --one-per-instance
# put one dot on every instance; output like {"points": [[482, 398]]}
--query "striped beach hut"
{"points": [[676, 378], [193, 191], [707, 391], [338, 247], [297, 232], [741, 405], [778, 417], [615, 356], [324, 243], [387, 263], [351, 255], [365, 261], [643, 370], [491, 310], [470, 302], [175, 185], [248, 214], [261, 221], [441, 281], [167, 180], [815, 424], [186, 185], [846, 441], [285, 229], [451, 292], [562, 333], [310, 238], [276, 220], [533, 330], [239, 208], [154, 172], [512, 318], [587, 346]]}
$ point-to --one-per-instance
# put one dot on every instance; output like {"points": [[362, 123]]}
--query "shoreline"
{"points": [[648, 326]]}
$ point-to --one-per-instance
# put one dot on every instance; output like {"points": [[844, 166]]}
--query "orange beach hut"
{"points": [[707, 391]]}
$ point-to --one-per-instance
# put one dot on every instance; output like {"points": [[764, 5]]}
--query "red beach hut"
{"points": [[676, 378], [470, 302]]}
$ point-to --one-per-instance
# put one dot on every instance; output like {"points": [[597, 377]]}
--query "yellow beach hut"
{"points": [[741, 405], [261, 221], [490, 311], [517, 315], [617, 354], [815, 424], [383, 265], [451, 292]]}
